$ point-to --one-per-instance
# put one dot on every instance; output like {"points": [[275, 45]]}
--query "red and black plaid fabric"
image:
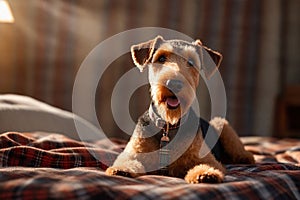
{"points": [[51, 150], [51, 166]]}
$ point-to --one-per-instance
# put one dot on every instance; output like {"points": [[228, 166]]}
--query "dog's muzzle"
{"points": [[174, 86]]}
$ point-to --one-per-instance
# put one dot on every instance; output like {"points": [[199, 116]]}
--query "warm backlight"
{"points": [[5, 12]]}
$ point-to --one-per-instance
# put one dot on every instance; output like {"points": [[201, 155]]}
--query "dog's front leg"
{"points": [[127, 163], [135, 160]]}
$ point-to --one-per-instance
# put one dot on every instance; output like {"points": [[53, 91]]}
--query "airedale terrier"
{"points": [[169, 136]]}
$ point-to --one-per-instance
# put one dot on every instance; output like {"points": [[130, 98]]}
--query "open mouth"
{"points": [[172, 102]]}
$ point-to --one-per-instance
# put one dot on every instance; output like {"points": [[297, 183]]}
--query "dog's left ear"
{"points": [[205, 53], [142, 53]]}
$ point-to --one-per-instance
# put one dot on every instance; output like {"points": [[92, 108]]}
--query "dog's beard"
{"points": [[160, 94], [170, 116]]}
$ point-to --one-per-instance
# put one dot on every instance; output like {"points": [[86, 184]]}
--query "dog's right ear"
{"points": [[205, 53], [142, 53]]}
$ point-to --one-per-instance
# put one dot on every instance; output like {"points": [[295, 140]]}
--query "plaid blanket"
{"points": [[52, 166]]}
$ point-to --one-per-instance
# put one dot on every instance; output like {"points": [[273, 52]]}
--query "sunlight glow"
{"points": [[5, 12]]}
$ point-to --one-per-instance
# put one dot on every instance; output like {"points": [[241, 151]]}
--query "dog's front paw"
{"points": [[204, 174], [204, 178], [112, 171], [124, 171]]}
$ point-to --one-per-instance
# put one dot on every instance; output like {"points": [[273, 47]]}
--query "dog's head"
{"points": [[174, 69]]}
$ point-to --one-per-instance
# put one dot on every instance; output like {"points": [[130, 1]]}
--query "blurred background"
{"points": [[42, 49]]}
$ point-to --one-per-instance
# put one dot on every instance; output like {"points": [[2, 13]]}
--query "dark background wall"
{"points": [[41, 52]]}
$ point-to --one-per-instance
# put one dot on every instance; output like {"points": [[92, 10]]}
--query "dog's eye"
{"points": [[162, 59], [191, 63]]}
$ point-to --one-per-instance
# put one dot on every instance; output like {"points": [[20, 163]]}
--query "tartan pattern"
{"points": [[275, 176], [54, 151]]}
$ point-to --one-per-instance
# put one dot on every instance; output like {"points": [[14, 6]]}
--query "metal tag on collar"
{"points": [[164, 140]]}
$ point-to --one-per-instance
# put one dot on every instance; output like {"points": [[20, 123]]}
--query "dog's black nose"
{"points": [[174, 85]]}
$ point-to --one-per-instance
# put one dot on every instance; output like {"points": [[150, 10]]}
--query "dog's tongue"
{"points": [[173, 102]]}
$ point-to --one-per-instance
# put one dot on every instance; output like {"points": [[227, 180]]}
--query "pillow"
{"points": [[25, 114]]}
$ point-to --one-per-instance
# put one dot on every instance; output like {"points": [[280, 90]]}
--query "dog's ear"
{"points": [[205, 54], [142, 53]]}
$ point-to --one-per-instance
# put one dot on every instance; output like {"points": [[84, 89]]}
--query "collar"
{"points": [[161, 123]]}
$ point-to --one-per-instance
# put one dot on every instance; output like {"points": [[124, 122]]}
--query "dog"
{"points": [[169, 135]]}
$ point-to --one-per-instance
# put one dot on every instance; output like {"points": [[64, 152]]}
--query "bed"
{"points": [[41, 165], [42, 157]]}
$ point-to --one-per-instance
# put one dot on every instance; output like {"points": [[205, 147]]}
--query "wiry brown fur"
{"points": [[134, 160]]}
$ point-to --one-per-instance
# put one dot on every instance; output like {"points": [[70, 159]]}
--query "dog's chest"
{"points": [[182, 140]]}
